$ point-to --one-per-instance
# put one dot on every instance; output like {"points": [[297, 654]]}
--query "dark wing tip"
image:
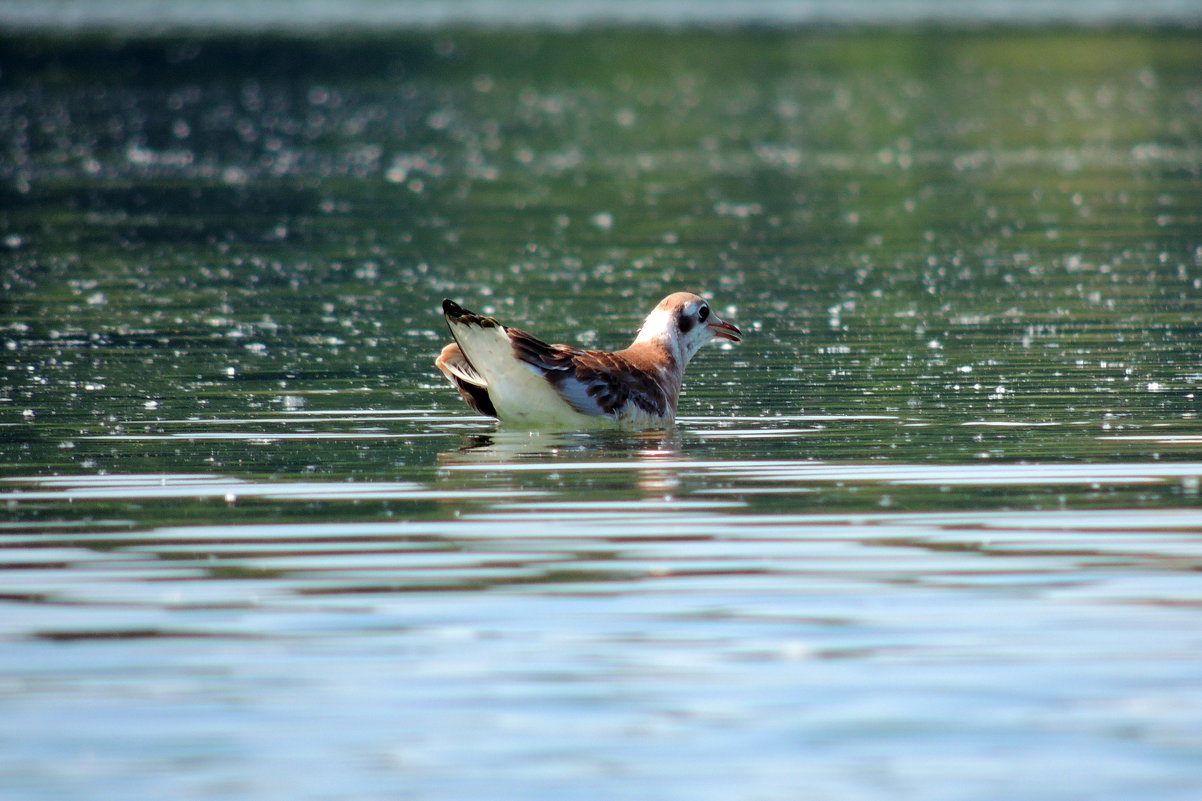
{"points": [[457, 314], [476, 397]]}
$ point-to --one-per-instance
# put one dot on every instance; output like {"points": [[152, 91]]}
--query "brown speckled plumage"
{"points": [[512, 374]]}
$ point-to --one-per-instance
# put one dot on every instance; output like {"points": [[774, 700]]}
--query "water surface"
{"points": [[931, 531]]}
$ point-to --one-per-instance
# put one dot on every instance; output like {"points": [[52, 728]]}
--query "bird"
{"points": [[514, 376]]}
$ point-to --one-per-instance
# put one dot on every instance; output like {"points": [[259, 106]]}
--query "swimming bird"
{"points": [[518, 378]]}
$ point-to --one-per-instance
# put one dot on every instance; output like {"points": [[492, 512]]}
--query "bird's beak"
{"points": [[725, 330]]}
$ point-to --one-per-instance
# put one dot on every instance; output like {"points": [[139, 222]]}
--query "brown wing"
{"points": [[592, 381], [611, 382], [464, 377]]}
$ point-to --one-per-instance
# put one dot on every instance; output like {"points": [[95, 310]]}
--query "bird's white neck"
{"points": [[659, 330]]}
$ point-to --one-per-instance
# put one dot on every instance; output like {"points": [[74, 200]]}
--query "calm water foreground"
{"points": [[933, 531]]}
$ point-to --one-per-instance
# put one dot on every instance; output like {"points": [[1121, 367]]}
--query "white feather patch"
{"points": [[518, 391]]}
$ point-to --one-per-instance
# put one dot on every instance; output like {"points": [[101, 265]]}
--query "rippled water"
{"points": [[932, 531]]}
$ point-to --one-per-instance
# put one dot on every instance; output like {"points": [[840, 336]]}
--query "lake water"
{"points": [[932, 531]]}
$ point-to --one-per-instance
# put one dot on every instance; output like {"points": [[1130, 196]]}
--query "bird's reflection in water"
{"points": [[651, 458]]}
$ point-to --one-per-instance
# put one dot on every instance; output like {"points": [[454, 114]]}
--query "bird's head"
{"points": [[683, 322]]}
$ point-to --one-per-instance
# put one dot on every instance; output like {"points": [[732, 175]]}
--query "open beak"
{"points": [[726, 330]]}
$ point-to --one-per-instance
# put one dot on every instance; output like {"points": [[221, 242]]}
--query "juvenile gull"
{"points": [[518, 378]]}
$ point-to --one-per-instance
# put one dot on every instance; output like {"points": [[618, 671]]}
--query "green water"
{"points": [[905, 222], [931, 531]]}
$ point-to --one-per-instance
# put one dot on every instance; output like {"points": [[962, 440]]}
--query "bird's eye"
{"points": [[703, 313]]}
